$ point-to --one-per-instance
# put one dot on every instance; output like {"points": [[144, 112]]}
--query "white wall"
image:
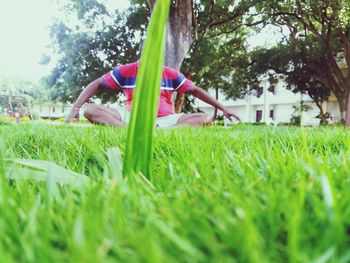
{"points": [[47, 110], [309, 117], [333, 108], [281, 102]]}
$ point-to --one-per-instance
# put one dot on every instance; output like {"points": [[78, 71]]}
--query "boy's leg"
{"points": [[193, 119], [98, 114]]}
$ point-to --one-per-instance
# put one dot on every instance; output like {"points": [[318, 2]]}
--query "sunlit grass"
{"points": [[244, 194]]}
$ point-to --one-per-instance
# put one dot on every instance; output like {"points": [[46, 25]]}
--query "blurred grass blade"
{"points": [[327, 193], [326, 256], [40, 170], [178, 241], [139, 146], [115, 163]]}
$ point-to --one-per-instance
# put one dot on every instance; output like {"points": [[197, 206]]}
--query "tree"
{"points": [[296, 62], [103, 38], [17, 86], [325, 23], [191, 21], [298, 112], [211, 62], [13, 86], [92, 47]]}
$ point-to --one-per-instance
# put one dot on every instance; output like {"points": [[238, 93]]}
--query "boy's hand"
{"points": [[229, 115], [73, 113]]}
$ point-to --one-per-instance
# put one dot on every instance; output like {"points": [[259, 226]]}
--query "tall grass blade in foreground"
{"points": [[139, 147]]}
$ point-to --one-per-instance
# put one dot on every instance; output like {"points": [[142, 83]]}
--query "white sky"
{"points": [[24, 35]]}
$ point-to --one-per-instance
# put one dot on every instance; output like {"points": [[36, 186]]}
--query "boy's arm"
{"points": [[84, 96], [204, 96]]}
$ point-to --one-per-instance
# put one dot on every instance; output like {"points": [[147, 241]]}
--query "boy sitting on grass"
{"points": [[123, 78]]}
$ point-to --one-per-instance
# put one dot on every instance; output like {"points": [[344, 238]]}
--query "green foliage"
{"points": [[104, 39], [241, 194], [221, 49], [212, 61], [100, 40], [295, 62], [139, 145], [18, 86], [298, 112], [318, 38], [20, 89]]}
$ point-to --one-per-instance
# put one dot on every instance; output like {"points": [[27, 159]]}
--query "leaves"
{"points": [[89, 48]]}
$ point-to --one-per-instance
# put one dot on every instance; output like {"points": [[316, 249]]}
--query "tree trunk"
{"points": [[346, 44], [179, 102], [179, 37], [323, 119], [340, 84], [180, 98], [347, 104], [179, 33], [341, 103], [216, 109]]}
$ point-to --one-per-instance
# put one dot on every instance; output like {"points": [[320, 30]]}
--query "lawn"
{"points": [[240, 194]]}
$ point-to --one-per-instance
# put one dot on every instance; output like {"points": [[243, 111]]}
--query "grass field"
{"points": [[242, 194]]}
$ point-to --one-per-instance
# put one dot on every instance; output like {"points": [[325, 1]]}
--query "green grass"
{"points": [[242, 194]]}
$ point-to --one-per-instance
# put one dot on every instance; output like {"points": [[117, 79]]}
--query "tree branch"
{"points": [[194, 23], [151, 3]]}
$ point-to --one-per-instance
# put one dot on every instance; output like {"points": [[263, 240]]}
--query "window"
{"points": [[258, 116], [271, 114], [259, 91]]}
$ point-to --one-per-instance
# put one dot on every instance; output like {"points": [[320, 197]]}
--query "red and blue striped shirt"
{"points": [[124, 78]]}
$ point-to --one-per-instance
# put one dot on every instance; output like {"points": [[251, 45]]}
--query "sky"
{"points": [[24, 35]]}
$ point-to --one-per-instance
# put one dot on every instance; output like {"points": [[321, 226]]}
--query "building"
{"points": [[273, 104], [54, 111], [51, 110]]}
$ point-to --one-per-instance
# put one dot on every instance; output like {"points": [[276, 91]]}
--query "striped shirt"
{"points": [[124, 78]]}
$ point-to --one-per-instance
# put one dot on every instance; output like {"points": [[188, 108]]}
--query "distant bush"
{"points": [[259, 123], [81, 120], [7, 119], [287, 124], [219, 123], [61, 120]]}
